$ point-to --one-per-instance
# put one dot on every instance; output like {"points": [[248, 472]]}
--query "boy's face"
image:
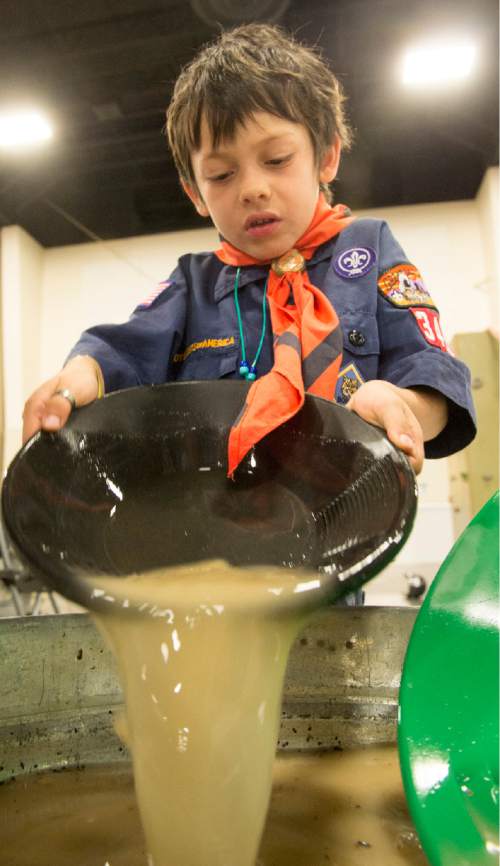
{"points": [[261, 187]]}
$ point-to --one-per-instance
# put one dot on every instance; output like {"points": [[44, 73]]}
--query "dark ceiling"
{"points": [[104, 69]]}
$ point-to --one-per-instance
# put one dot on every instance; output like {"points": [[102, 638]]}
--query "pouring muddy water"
{"points": [[201, 583]]}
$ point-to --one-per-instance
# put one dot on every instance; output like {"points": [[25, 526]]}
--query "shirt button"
{"points": [[356, 338]]}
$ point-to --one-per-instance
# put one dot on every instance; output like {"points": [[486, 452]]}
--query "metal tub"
{"points": [[59, 689]]}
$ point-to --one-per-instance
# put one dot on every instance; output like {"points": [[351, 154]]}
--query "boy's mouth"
{"points": [[261, 224]]}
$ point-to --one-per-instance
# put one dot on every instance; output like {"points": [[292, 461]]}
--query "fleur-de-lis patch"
{"points": [[355, 262]]}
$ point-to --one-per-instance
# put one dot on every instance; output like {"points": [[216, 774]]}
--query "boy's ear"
{"points": [[330, 162], [195, 197]]}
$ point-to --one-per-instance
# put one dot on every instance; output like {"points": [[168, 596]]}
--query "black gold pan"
{"points": [[137, 481]]}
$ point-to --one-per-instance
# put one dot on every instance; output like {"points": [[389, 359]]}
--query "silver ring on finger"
{"points": [[66, 393]]}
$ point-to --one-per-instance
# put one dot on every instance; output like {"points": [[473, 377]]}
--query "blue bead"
{"points": [[244, 369]]}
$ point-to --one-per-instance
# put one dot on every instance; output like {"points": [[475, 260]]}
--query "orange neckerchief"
{"points": [[307, 336]]}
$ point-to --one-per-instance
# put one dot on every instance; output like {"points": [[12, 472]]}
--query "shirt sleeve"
{"points": [[413, 351], [140, 351]]}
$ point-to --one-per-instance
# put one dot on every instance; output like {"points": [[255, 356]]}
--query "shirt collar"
{"points": [[254, 273], [248, 274]]}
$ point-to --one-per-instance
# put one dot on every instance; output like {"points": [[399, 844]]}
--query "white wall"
{"points": [[445, 241], [455, 245], [489, 220], [449, 244], [50, 296], [21, 279], [91, 283]]}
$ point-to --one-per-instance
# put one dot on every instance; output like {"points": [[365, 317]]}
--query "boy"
{"points": [[299, 295]]}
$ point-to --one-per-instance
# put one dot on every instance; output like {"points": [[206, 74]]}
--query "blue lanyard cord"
{"points": [[240, 323], [249, 372]]}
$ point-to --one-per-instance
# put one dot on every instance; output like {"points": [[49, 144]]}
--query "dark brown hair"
{"points": [[256, 67]]}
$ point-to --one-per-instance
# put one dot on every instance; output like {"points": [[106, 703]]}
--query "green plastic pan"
{"points": [[448, 731]]}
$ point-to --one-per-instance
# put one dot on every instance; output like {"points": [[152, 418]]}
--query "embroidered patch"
{"points": [[210, 343], [355, 262], [403, 286], [430, 326], [155, 293], [348, 382]]}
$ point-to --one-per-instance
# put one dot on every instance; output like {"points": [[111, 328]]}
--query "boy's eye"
{"points": [[220, 177], [279, 160]]}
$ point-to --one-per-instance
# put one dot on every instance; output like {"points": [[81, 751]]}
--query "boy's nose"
{"points": [[254, 188]]}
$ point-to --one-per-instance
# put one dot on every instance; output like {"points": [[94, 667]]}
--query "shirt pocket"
{"points": [[210, 363], [360, 334], [360, 354]]}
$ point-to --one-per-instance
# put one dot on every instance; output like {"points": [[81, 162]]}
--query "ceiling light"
{"points": [[437, 63], [23, 129]]}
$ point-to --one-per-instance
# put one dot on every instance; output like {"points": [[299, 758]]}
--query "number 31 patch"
{"points": [[430, 326]]}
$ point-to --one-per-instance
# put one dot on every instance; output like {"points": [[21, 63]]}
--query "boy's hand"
{"points": [[383, 404], [47, 410]]}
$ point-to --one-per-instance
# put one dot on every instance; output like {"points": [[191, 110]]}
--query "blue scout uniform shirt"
{"points": [[189, 329]]}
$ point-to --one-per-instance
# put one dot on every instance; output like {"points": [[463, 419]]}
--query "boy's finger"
{"points": [[45, 410], [56, 413], [34, 408], [405, 432], [416, 463], [412, 446], [50, 414], [406, 441], [31, 423]]}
